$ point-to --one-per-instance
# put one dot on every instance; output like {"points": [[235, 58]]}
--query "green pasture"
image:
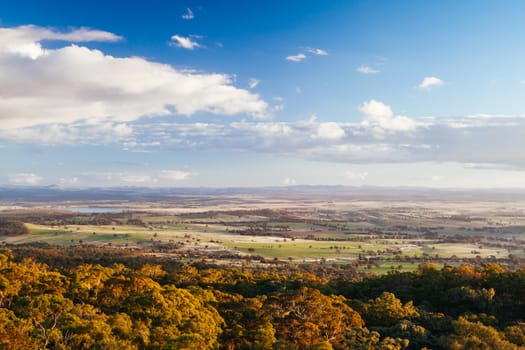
{"points": [[269, 247], [304, 250], [463, 250]]}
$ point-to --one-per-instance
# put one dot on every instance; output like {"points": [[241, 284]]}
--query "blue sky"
{"points": [[262, 93]]}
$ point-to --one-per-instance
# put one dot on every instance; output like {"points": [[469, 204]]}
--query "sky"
{"points": [[262, 93]]}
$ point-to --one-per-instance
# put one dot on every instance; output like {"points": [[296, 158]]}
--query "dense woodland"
{"points": [[12, 228], [102, 298]]}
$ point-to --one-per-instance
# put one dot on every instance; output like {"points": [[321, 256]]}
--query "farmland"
{"points": [[371, 235]]}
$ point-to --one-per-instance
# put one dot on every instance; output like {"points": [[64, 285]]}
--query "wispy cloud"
{"points": [[252, 84], [151, 178], [184, 42], [301, 56], [80, 133], [318, 52], [25, 40], [68, 181], [356, 175], [188, 15], [175, 175], [296, 58], [135, 178], [367, 69], [430, 82], [24, 178]]}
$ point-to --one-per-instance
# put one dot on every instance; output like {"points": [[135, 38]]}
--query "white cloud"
{"points": [[24, 41], [353, 175], [122, 130], [24, 178], [184, 42], [487, 141], [430, 82], [74, 133], [318, 52], [492, 141], [253, 83], [130, 178], [68, 181], [152, 178], [378, 114], [73, 83], [296, 58], [367, 69], [376, 110], [265, 129], [175, 175], [289, 181], [329, 131], [188, 15]]}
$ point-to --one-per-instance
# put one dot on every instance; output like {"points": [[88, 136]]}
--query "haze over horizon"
{"points": [[254, 94]]}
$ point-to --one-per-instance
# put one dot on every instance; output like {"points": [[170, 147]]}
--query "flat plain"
{"points": [[375, 235]]}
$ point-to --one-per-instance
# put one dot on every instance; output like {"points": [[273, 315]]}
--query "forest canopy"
{"points": [[141, 305]]}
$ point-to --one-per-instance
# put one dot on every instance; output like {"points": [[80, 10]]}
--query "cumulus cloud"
{"points": [[329, 131], [184, 42], [73, 83], [378, 137], [379, 115], [367, 69], [188, 15], [24, 178], [430, 82], [318, 52], [484, 141], [253, 83], [296, 58]]}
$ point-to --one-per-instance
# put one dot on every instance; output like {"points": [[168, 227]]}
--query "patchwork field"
{"points": [[372, 235]]}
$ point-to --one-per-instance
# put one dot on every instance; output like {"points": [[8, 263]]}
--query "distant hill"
{"points": [[55, 193]]}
